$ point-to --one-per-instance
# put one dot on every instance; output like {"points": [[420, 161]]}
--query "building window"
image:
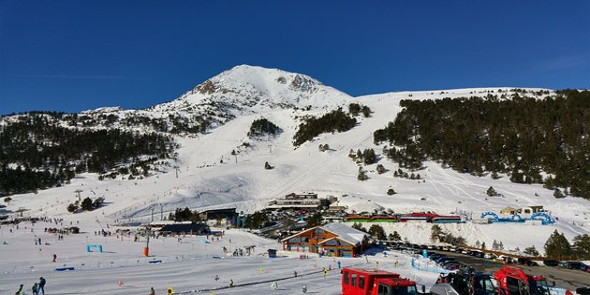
{"points": [[353, 281], [362, 282], [345, 277], [318, 232]]}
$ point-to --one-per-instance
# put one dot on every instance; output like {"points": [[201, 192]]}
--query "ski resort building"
{"points": [[226, 216], [333, 239], [508, 211], [306, 201], [531, 210], [184, 228]]}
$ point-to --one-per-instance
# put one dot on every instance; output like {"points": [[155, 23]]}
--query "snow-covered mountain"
{"points": [[250, 90], [218, 165], [242, 90]]}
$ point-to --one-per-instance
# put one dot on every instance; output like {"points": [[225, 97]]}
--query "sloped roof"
{"points": [[345, 232], [368, 207]]}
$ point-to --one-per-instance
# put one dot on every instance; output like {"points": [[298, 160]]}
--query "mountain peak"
{"points": [[249, 89], [266, 79]]}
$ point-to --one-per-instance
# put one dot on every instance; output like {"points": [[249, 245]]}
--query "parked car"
{"points": [[441, 261], [551, 262], [434, 256], [452, 266], [490, 256], [572, 265], [480, 254], [526, 261], [508, 259], [450, 261]]}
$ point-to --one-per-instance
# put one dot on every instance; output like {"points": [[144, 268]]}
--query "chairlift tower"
{"points": [[78, 193], [177, 169]]}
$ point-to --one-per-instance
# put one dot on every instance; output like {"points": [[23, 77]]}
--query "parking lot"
{"points": [[564, 278]]}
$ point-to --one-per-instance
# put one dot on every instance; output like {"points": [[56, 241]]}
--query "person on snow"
{"points": [[41, 285], [35, 289], [169, 291], [152, 291], [20, 290]]}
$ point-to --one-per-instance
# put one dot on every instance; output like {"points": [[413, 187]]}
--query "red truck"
{"points": [[514, 281], [367, 281]]}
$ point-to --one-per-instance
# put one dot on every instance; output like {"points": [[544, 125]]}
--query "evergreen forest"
{"points": [[529, 139], [38, 152], [335, 121]]}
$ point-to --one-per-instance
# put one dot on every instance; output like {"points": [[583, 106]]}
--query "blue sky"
{"points": [[75, 55]]}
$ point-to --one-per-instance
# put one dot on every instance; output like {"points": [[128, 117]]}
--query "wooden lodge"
{"points": [[333, 239]]}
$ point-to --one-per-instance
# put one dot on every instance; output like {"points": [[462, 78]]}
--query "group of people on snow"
{"points": [[37, 289]]}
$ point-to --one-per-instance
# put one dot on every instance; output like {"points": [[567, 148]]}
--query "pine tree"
{"points": [[582, 246], [395, 237], [377, 231], [558, 194], [557, 246], [435, 233], [87, 204], [531, 251], [491, 192]]}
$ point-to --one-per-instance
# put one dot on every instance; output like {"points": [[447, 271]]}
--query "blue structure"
{"points": [[272, 253], [490, 213], [544, 217], [89, 247], [241, 221], [496, 218]]}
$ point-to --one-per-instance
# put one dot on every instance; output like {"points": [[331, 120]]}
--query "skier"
{"points": [[41, 288], [152, 291], [231, 283], [54, 258], [42, 285], [169, 291]]}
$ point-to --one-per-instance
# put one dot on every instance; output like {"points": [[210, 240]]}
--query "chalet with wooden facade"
{"points": [[333, 239]]}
